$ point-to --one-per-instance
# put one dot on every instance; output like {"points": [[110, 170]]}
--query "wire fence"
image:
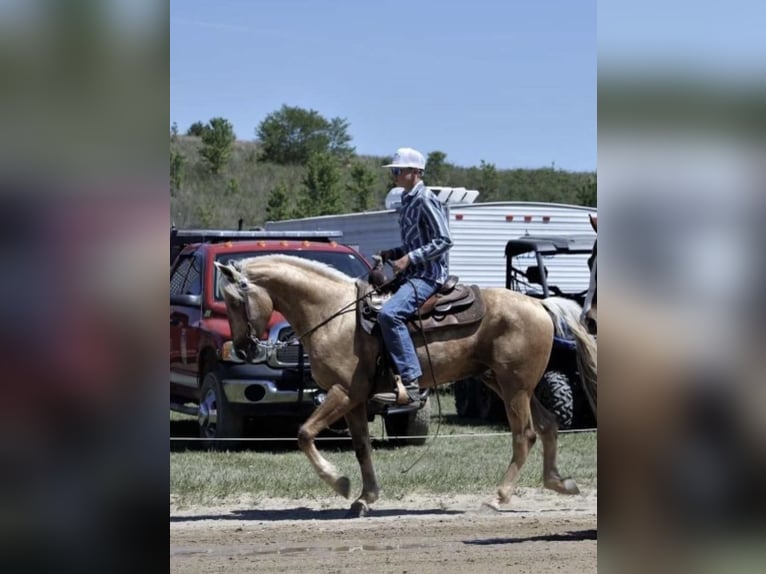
{"points": [[348, 438]]}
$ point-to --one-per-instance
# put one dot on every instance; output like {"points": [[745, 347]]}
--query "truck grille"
{"points": [[289, 355]]}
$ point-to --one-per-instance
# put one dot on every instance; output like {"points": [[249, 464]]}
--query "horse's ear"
{"points": [[593, 221], [230, 273]]}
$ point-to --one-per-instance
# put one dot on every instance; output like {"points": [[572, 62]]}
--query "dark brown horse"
{"points": [[510, 346]]}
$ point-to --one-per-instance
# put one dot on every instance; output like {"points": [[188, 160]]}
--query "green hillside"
{"points": [[246, 184]]}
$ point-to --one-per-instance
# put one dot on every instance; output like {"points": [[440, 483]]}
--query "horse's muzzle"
{"points": [[247, 351]]}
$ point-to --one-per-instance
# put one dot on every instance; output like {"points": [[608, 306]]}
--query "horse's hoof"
{"points": [[490, 505], [502, 498], [570, 486], [343, 486], [358, 510], [566, 486]]}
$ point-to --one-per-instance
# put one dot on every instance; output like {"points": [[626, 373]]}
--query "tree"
{"points": [[489, 181], [292, 135], [322, 194], [276, 207], [196, 129], [232, 187], [174, 132], [361, 187], [587, 193], [339, 138], [435, 168], [217, 143]]}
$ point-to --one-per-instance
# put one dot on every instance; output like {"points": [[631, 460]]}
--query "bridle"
{"points": [[243, 286]]}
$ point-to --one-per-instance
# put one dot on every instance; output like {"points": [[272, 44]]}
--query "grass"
{"points": [[463, 459]]}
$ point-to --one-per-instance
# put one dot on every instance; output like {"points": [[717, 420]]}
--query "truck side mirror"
{"points": [[186, 300]]}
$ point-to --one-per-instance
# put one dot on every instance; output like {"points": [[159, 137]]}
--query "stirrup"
{"points": [[391, 398], [403, 396]]}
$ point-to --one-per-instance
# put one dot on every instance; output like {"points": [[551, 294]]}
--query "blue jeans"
{"points": [[393, 318]]}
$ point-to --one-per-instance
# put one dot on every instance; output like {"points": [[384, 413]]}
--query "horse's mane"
{"points": [[322, 269]]}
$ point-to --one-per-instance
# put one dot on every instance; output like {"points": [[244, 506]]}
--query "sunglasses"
{"points": [[395, 171]]}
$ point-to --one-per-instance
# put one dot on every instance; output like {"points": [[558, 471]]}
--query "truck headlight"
{"points": [[228, 353]]}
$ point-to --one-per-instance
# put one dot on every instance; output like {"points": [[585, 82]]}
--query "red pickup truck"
{"points": [[208, 379]]}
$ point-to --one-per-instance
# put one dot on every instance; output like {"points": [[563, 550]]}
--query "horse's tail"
{"points": [[566, 320]]}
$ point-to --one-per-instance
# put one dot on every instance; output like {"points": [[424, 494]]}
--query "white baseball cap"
{"points": [[408, 157]]}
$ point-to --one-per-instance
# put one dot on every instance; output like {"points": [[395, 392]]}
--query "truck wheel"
{"points": [[555, 394], [465, 401], [490, 407], [215, 416], [413, 424]]}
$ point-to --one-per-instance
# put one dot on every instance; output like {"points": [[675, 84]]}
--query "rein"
{"points": [[438, 402]]}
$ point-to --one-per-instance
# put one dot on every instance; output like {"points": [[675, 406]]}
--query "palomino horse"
{"points": [[511, 344]]}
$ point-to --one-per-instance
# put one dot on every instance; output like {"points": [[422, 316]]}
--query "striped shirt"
{"points": [[425, 235]]}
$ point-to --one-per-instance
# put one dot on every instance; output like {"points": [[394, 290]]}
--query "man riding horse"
{"points": [[420, 263]]}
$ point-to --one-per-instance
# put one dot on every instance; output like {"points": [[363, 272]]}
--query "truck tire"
{"points": [[555, 394], [215, 416], [413, 424], [490, 407], [465, 398]]}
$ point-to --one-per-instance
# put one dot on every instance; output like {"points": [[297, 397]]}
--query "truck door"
{"points": [[185, 314]]}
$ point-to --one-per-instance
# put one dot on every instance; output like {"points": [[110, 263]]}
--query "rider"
{"points": [[421, 263]]}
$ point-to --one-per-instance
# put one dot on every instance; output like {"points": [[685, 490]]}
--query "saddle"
{"points": [[453, 304]]}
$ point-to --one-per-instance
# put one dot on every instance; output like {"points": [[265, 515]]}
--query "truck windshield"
{"points": [[347, 263]]}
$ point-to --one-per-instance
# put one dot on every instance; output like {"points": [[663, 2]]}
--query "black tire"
{"points": [[465, 398], [555, 393], [412, 424], [489, 406], [216, 418]]}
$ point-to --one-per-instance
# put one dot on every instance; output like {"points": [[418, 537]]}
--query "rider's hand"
{"points": [[386, 255]]}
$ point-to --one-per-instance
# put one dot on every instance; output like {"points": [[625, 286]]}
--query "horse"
{"points": [[589, 315], [510, 345]]}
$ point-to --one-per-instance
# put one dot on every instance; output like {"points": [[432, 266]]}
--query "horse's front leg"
{"points": [[360, 436], [335, 405]]}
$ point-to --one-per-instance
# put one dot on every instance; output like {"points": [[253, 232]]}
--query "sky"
{"points": [[509, 82], [721, 40]]}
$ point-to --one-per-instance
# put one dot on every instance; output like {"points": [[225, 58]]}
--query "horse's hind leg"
{"points": [[360, 436], [335, 405], [520, 419], [548, 427]]}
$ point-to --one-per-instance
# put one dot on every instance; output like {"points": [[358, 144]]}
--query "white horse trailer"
{"points": [[479, 234]]}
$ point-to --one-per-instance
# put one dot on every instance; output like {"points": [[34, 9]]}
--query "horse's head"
{"points": [[248, 308]]}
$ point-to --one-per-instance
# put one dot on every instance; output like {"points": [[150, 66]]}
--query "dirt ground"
{"points": [[540, 532]]}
